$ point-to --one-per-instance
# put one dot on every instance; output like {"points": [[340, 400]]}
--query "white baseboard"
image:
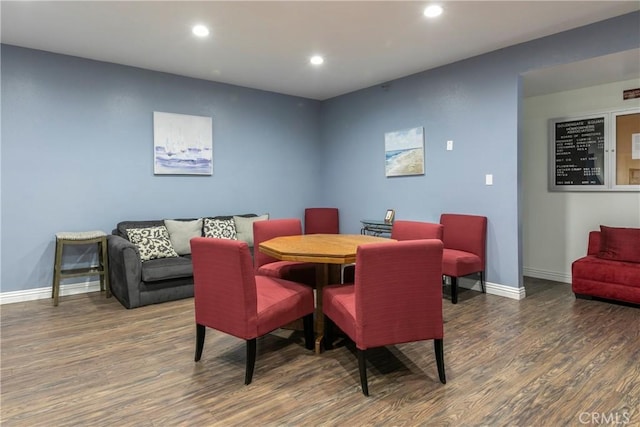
{"points": [[492, 288], [547, 275], [44, 293]]}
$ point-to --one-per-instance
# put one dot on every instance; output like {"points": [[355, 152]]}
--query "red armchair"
{"points": [[228, 297], [321, 221], [301, 272], [404, 230], [465, 241], [396, 298]]}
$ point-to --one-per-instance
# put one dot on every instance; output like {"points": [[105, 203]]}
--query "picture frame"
{"points": [[182, 144], [389, 216], [404, 152]]}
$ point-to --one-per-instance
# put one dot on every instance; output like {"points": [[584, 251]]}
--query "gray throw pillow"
{"points": [[244, 227], [181, 232]]}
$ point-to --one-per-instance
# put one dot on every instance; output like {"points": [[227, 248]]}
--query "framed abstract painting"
{"points": [[182, 144]]}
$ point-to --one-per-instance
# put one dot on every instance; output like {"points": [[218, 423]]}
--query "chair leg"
{"points": [[362, 366], [251, 360], [200, 333], [328, 337], [454, 290], [438, 345], [307, 322], [482, 282]]}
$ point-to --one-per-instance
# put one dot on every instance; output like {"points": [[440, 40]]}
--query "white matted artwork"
{"points": [[182, 144], [404, 152]]}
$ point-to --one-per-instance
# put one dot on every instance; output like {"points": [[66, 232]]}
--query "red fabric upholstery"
{"points": [[465, 240], [404, 230], [620, 244], [396, 297], [605, 278], [321, 221], [414, 230], [268, 266], [229, 298]]}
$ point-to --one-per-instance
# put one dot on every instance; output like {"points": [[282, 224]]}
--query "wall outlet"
{"points": [[488, 179], [449, 145]]}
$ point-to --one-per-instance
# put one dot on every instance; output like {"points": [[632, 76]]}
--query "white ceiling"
{"points": [[267, 44]]}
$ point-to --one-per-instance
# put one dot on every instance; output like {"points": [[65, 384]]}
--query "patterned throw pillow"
{"points": [[152, 242], [220, 228]]}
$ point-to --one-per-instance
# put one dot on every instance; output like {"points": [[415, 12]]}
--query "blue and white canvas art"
{"points": [[404, 152], [182, 144]]}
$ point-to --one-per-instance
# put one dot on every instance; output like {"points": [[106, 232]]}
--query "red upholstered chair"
{"points": [[231, 299], [321, 221], [405, 230], [301, 272], [465, 241], [396, 298]]}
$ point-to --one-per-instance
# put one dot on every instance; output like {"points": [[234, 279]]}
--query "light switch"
{"points": [[488, 179], [449, 145]]}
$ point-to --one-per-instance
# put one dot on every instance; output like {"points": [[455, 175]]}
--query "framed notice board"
{"points": [[578, 153], [597, 152]]}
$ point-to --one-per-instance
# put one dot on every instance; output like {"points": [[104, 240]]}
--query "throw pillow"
{"points": [[152, 242], [244, 227], [181, 232], [620, 244], [220, 228]]}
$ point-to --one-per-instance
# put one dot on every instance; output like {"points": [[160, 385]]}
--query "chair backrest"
{"points": [[414, 230], [321, 221], [465, 233], [398, 292], [265, 230], [224, 286]]}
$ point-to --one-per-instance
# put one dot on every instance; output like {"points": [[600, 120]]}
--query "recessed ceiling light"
{"points": [[433, 11], [316, 60], [200, 31]]}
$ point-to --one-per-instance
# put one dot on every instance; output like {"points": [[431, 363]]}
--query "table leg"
{"points": [[325, 274]]}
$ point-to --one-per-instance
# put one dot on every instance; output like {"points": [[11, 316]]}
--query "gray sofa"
{"points": [[136, 283]]}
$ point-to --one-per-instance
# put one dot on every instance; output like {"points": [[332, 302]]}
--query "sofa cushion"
{"points": [[152, 242], [181, 232], [244, 227], [123, 226], [166, 268], [620, 244], [220, 228], [601, 270]]}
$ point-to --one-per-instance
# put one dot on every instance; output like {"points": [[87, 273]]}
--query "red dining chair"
{"points": [[321, 221], [404, 230], [396, 298], [301, 272], [465, 241], [230, 298]]}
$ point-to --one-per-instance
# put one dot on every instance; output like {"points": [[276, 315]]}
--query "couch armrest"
{"points": [[125, 270], [594, 243]]}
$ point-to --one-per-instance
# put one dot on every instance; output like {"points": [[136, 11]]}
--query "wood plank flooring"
{"points": [[547, 360]]}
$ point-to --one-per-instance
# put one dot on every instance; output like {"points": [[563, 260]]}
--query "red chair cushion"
{"points": [[459, 263], [280, 302]]}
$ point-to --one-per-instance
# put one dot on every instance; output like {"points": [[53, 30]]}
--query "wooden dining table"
{"points": [[328, 251]]}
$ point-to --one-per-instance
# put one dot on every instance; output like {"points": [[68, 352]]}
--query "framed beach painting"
{"points": [[404, 152], [182, 144]]}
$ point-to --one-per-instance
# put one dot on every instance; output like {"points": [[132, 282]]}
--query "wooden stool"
{"points": [[81, 238]]}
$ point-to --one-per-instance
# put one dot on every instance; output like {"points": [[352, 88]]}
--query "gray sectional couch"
{"points": [[136, 283]]}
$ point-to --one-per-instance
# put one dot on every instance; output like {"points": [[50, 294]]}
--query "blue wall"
{"points": [[77, 138], [475, 103], [77, 147]]}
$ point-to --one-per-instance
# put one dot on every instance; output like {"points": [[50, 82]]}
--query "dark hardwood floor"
{"points": [[547, 360]]}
